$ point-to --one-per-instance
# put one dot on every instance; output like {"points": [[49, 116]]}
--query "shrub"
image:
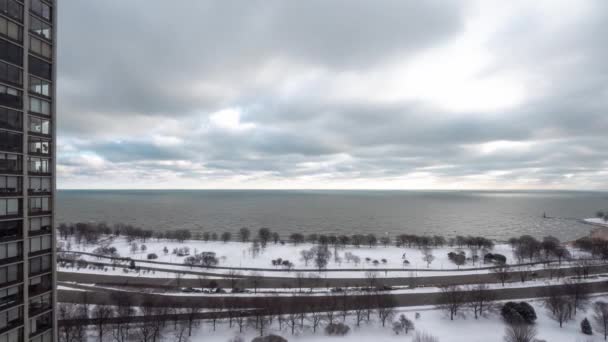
{"points": [[517, 313], [337, 329], [586, 327], [152, 256], [424, 337], [269, 338]]}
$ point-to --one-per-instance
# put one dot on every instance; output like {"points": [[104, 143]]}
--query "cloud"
{"points": [[383, 94]]}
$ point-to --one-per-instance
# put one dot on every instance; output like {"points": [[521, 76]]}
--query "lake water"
{"points": [[494, 214]]}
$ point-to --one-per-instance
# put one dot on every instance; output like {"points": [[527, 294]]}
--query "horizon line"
{"points": [[315, 189]]}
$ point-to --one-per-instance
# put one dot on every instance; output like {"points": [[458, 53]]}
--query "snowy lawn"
{"points": [[238, 254], [489, 329]]}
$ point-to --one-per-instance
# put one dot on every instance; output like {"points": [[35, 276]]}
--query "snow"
{"points": [[238, 254], [597, 221], [488, 329]]}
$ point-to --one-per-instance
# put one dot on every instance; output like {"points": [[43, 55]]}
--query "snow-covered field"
{"points": [[238, 254], [489, 329], [432, 321], [597, 221]]}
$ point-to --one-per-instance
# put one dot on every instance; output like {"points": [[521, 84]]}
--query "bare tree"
{"points": [[292, 319], [240, 320], [101, 314], [501, 273], [71, 332], [180, 333], [479, 298], [316, 316], [359, 308], [578, 293], [600, 317], [234, 276], [559, 306], [255, 278], [386, 308], [427, 256], [520, 333], [372, 277], [451, 300], [124, 310], [191, 314], [331, 307]]}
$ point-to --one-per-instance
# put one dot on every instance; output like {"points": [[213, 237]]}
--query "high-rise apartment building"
{"points": [[27, 169]]}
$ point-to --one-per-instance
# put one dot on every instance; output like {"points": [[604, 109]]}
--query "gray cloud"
{"points": [[139, 94]]}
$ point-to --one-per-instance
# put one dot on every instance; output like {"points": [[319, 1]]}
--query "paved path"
{"points": [[298, 303], [247, 281]]}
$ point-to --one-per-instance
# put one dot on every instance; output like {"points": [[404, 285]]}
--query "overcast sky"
{"points": [[333, 94]]}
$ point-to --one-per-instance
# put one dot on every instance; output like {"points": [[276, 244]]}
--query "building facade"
{"points": [[27, 170]]}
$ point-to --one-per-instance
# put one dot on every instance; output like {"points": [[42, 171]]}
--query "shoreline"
{"points": [[600, 230]]}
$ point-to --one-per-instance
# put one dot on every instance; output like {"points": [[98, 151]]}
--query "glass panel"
{"points": [[11, 53], [10, 119]]}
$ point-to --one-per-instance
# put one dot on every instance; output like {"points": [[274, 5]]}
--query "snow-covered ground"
{"points": [[597, 221], [432, 321], [489, 329], [238, 254]]}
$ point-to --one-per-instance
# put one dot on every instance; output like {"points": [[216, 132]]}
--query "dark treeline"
{"points": [[526, 247], [90, 233]]}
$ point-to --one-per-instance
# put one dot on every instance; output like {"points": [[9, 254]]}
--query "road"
{"points": [[248, 281]]}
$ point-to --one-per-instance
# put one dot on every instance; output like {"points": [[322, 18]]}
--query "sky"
{"points": [[343, 94]]}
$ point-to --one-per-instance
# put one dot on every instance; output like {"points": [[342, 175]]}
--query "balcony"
{"points": [[39, 192], [43, 230], [11, 234], [10, 192]]}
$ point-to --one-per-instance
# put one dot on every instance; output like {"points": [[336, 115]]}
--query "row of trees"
{"points": [[91, 233], [116, 320], [528, 247]]}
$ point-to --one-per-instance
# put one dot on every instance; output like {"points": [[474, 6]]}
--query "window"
{"points": [[40, 224], [41, 323], [10, 97], [10, 119], [9, 206], [10, 296], [10, 141], [39, 86], [40, 264], [41, 9], [40, 126], [39, 204], [47, 336], [10, 230], [10, 162], [40, 106], [10, 250], [40, 47], [40, 68], [39, 184], [10, 184], [10, 73], [38, 165], [40, 28], [10, 273], [11, 317], [40, 243], [10, 29], [10, 52], [40, 284], [13, 9], [39, 146]]}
